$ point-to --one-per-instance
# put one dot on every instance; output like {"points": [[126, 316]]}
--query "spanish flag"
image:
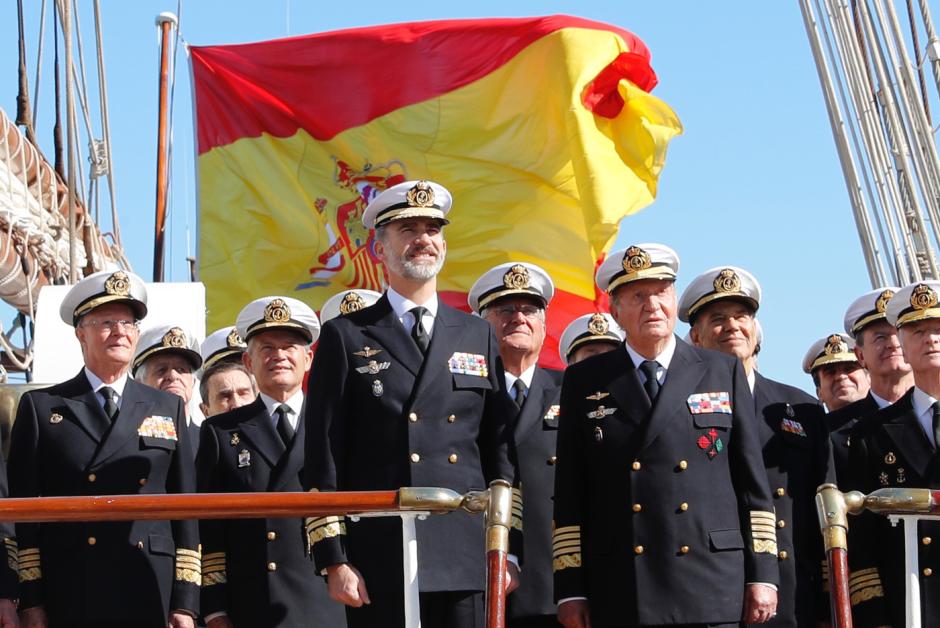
{"points": [[543, 129]]}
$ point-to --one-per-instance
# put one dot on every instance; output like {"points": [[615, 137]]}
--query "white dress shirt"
{"points": [[922, 408], [97, 384], [526, 377], [402, 308], [882, 403], [294, 404], [664, 359]]}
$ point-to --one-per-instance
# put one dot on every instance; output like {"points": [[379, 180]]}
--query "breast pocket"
{"points": [[464, 382], [712, 419], [151, 442]]}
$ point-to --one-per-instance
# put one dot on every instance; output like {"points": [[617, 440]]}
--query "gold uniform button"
{"points": [[926, 540], [928, 571], [684, 549], [272, 566], [551, 461], [683, 465], [92, 477], [637, 507], [683, 506], [638, 550], [415, 457], [143, 481], [412, 417], [781, 492], [272, 536], [92, 540], [140, 545], [451, 418], [781, 524], [782, 554], [452, 458], [636, 465]]}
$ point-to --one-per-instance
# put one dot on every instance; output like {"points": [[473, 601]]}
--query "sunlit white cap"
{"points": [[715, 284], [167, 339], [587, 329], [640, 261], [411, 199], [346, 302], [832, 349], [106, 286], [276, 312], [511, 279], [867, 309], [912, 303], [222, 345]]}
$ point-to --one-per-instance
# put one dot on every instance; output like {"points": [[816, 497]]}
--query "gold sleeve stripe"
{"points": [[28, 564], [765, 546], [873, 580], [12, 553], [566, 561], [516, 518], [566, 529], [209, 579], [565, 540], [189, 566], [862, 572], [189, 575], [28, 552], [866, 594], [213, 556], [316, 522], [186, 552], [326, 531], [572, 548], [560, 536]]}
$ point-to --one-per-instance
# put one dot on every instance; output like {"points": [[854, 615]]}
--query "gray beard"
{"points": [[411, 270]]}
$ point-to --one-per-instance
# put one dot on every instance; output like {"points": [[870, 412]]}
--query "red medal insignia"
{"points": [[710, 443]]}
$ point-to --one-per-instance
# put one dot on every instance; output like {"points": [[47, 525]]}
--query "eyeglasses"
{"points": [[113, 326], [529, 311]]}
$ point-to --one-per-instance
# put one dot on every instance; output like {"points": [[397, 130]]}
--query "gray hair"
{"points": [[221, 367]]}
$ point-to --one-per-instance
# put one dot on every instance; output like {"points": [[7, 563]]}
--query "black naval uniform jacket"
{"points": [[535, 429], [104, 573], [841, 423], [378, 418], [9, 575], [256, 570], [795, 442], [890, 449], [662, 514]]}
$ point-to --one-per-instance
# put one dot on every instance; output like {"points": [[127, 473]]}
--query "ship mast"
{"points": [[873, 77]]}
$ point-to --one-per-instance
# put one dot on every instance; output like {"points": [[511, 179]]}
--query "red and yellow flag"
{"points": [[543, 129]]}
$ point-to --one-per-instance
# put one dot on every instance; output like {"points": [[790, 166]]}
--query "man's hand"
{"points": [[512, 577], [760, 603], [8, 618], [574, 614], [220, 621], [34, 617], [179, 619], [347, 585]]}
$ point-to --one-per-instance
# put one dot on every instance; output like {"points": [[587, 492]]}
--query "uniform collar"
{"points": [[526, 377], [97, 384], [664, 358], [401, 305], [295, 402], [882, 403]]}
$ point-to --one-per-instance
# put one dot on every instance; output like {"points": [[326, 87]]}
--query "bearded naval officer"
{"points": [[897, 448], [255, 571], [513, 298], [407, 392], [102, 433], [663, 514], [721, 306]]}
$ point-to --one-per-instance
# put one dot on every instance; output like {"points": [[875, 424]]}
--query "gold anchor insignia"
{"points": [[835, 344], [277, 311], [235, 439], [175, 338], [636, 259], [923, 297], [367, 352], [516, 278], [727, 281], [55, 418], [890, 458], [597, 396], [118, 284], [901, 479], [881, 305], [420, 195], [351, 302], [598, 325], [234, 340]]}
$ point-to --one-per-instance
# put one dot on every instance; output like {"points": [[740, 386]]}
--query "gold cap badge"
{"points": [[636, 259], [118, 284], [923, 297], [598, 325], [421, 195], [351, 302], [835, 344], [727, 281], [233, 339], [277, 311], [175, 338], [516, 278], [882, 303]]}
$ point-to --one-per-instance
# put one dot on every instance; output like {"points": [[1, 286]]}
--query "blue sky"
{"points": [[754, 181]]}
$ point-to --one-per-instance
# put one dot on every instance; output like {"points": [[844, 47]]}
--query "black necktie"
{"points": [[649, 368], [519, 390], [936, 425], [284, 429], [110, 404], [418, 333]]}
